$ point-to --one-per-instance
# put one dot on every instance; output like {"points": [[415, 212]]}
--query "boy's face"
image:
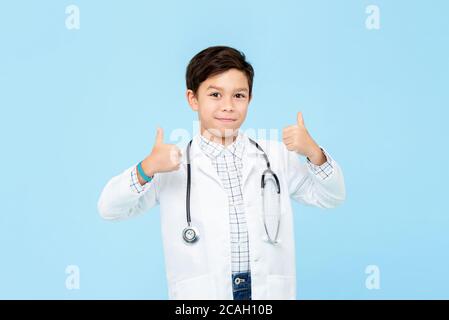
{"points": [[221, 102]]}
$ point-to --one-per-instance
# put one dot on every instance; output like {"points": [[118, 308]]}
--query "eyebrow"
{"points": [[218, 88]]}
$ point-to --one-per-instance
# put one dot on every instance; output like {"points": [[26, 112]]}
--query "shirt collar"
{"points": [[213, 149]]}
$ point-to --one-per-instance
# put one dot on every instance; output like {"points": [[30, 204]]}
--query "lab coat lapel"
{"points": [[199, 160], [204, 164], [250, 156], [248, 166]]}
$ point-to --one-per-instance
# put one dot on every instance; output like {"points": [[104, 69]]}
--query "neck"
{"points": [[223, 140]]}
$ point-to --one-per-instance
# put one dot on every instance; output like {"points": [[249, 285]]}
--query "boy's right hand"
{"points": [[163, 158]]}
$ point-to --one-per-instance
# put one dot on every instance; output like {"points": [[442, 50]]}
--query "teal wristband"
{"points": [[142, 174]]}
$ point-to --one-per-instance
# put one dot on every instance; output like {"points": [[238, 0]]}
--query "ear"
{"points": [[192, 100]]}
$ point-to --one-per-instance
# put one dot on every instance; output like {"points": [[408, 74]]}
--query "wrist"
{"points": [[313, 152], [148, 167], [317, 156]]}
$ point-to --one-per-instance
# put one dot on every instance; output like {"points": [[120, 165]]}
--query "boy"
{"points": [[220, 241]]}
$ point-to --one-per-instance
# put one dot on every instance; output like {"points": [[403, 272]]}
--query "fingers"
{"points": [[300, 123], [289, 128], [159, 136], [289, 137], [300, 119], [288, 140], [290, 146], [175, 156], [289, 132]]}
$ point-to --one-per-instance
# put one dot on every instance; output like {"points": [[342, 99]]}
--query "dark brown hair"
{"points": [[215, 60]]}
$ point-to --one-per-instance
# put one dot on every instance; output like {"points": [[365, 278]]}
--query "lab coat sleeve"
{"points": [[309, 188], [324, 170], [119, 201]]}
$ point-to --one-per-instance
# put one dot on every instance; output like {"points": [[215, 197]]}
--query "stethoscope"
{"points": [[190, 234]]}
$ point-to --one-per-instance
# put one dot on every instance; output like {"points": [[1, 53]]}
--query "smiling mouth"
{"points": [[226, 119]]}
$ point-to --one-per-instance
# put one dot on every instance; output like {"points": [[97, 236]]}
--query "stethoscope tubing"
{"points": [[190, 234]]}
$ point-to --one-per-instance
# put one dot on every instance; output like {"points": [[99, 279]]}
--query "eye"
{"points": [[214, 94], [240, 95]]}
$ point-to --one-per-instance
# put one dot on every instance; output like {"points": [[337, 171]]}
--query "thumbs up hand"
{"points": [[297, 138], [163, 158]]}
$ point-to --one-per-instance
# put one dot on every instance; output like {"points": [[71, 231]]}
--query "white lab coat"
{"points": [[203, 270]]}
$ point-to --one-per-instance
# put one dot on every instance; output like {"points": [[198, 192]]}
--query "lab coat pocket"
{"points": [[196, 288], [281, 287]]}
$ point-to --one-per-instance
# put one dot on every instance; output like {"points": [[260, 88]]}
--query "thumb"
{"points": [[300, 119], [160, 136]]}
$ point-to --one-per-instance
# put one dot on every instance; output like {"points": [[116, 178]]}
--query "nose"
{"points": [[227, 105]]}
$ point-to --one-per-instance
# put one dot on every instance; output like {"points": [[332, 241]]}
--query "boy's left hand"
{"points": [[297, 138]]}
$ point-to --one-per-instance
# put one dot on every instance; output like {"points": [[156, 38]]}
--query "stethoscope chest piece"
{"points": [[190, 234]]}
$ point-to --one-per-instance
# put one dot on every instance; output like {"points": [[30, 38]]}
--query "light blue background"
{"points": [[78, 107]]}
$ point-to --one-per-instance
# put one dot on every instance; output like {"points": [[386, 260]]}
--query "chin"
{"points": [[223, 132], [229, 132]]}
